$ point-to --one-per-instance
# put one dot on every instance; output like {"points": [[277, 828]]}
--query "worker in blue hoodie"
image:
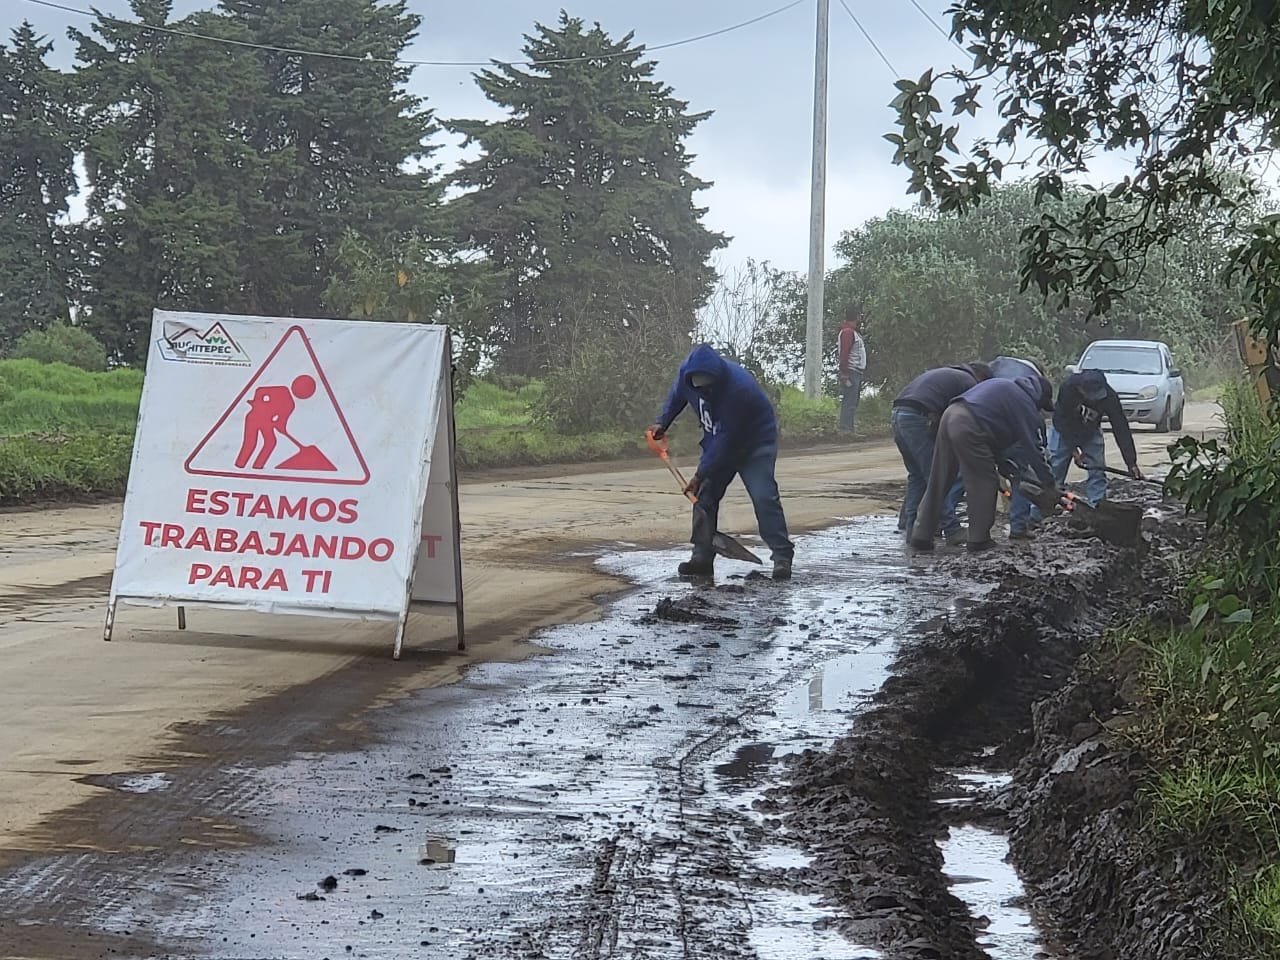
{"points": [[739, 438], [992, 421]]}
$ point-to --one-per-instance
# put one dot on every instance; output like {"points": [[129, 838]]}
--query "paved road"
{"points": [[78, 710]]}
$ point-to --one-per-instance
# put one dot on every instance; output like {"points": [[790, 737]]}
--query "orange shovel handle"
{"points": [[660, 448]]}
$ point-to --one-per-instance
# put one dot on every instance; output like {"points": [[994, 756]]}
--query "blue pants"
{"points": [[1095, 458], [756, 468], [915, 443], [849, 399]]}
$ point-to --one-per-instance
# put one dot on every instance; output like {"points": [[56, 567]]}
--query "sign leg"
{"points": [[462, 636], [182, 618], [111, 619], [404, 619]]}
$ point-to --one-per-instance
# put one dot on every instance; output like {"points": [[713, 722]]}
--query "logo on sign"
{"points": [[188, 345], [286, 424]]}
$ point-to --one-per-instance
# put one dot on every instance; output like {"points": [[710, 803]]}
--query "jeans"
{"points": [[915, 443], [1020, 511], [849, 397], [756, 468], [1095, 458]]}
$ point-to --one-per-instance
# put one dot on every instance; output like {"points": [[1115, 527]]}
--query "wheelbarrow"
{"points": [[722, 543]]}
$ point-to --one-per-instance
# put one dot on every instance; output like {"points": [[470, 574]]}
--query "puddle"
{"points": [[789, 926], [975, 861], [131, 782]]}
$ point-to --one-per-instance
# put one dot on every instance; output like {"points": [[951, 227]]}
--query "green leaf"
{"points": [[1198, 614]]}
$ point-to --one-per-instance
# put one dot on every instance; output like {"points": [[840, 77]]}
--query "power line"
{"points": [[937, 26], [645, 48], [874, 46]]}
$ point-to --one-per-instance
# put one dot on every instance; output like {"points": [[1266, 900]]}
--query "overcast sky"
{"points": [[758, 82]]}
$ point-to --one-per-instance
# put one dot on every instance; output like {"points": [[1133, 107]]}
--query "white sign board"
{"points": [[286, 466]]}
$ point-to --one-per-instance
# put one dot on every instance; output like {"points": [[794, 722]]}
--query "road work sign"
{"points": [[293, 466]]}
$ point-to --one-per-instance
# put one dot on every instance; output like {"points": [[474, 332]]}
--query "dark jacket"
{"points": [[932, 391], [1011, 368], [1083, 400], [736, 415], [1009, 413]]}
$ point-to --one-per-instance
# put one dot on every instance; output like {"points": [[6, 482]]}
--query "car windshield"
{"points": [[1144, 360]]}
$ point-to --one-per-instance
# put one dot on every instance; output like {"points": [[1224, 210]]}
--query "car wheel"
{"points": [[1176, 422], [1163, 425]]}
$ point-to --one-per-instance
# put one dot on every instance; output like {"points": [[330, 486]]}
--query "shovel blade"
{"points": [[727, 546]]}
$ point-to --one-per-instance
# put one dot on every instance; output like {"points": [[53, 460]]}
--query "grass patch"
{"points": [[63, 467], [1259, 905], [1214, 798]]}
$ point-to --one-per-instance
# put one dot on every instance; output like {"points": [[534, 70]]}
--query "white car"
{"points": [[1143, 373]]}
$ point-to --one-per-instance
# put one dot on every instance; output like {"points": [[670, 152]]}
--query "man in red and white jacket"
{"points": [[853, 367]]}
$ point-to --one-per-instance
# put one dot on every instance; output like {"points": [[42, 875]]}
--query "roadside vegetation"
{"points": [[67, 433], [1208, 715]]}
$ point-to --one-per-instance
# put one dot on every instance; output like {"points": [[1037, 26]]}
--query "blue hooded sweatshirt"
{"points": [[736, 415], [1009, 413]]}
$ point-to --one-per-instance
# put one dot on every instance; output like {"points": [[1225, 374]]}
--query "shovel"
{"points": [[1113, 521], [723, 544], [1125, 473]]}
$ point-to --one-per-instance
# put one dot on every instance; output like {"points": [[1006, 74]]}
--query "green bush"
{"points": [[61, 343], [63, 466], [619, 384]]}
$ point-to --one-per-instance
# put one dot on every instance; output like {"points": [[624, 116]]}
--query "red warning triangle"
{"points": [[285, 424]]}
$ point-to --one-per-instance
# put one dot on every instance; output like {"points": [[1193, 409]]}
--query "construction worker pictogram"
{"points": [[290, 398]]}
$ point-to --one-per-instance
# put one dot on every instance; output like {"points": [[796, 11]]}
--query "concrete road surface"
{"points": [[76, 708]]}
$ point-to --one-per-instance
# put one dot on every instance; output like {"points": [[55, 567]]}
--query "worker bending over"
{"points": [[991, 420]]}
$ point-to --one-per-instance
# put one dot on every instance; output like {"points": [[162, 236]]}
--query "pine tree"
{"points": [[171, 173], [584, 198], [231, 175], [338, 136], [37, 175]]}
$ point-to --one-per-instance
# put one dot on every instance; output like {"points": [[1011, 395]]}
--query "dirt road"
{"points": [[78, 711]]}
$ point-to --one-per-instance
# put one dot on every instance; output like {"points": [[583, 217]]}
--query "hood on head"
{"points": [[704, 359], [1039, 390], [1092, 385]]}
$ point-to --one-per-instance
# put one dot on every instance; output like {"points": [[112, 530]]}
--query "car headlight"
{"points": [[1147, 393]]}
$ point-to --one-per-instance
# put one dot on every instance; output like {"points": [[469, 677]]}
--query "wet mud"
{"points": [[837, 767]]}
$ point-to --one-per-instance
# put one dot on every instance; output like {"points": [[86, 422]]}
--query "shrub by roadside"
{"points": [[1204, 684]]}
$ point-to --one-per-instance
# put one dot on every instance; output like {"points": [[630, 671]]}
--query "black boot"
{"points": [[697, 567]]}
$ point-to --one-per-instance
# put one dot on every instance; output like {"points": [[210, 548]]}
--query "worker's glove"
{"points": [[1047, 499], [1078, 457], [691, 488], [1135, 471], [658, 431]]}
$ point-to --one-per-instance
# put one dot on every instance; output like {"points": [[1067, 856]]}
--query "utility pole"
{"points": [[817, 211]]}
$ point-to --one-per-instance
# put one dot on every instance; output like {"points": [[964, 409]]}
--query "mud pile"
{"points": [[1005, 685]]}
